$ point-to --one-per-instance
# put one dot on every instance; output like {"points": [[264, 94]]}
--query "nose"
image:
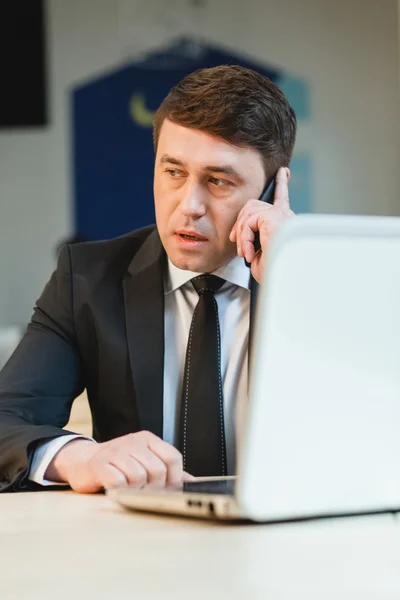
{"points": [[192, 203]]}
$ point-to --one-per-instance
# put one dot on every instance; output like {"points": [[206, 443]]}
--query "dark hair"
{"points": [[238, 105]]}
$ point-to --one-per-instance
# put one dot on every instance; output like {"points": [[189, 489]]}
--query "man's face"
{"points": [[200, 185]]}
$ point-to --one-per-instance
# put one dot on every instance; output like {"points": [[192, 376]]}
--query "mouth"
{"points": [[190, 239], [191, 235]]}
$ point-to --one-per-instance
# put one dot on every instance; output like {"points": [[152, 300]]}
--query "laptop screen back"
{"points": [[323, 429]]}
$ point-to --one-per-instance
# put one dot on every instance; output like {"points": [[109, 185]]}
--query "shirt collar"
{"points": [[234, 271]]}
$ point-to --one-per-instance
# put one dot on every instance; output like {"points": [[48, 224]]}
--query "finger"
{"points": [[248, 209], [281, 199], [247, 236], [240, 224], [132, 469], [253, 207], [187, 477], [239, 250], [171, 457], [155, 468], [108, 476]]}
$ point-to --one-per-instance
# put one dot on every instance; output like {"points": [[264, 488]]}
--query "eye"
{"points": [[218, 182], [174, 173]]}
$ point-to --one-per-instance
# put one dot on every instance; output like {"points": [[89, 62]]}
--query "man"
{"points": [[155, 324]]}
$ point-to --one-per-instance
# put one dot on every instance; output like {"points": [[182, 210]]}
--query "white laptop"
{"points": [[322, 433]]}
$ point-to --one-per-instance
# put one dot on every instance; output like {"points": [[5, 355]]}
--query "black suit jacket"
{"points": [[99, 325]]}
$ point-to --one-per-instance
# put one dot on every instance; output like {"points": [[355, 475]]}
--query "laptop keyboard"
{"points": [[223, 486]]}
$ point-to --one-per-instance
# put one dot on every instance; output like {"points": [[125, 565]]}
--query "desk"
{"points": [[64, 545]]}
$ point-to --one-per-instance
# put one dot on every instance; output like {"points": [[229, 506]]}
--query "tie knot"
{"points": [[207, 283]]}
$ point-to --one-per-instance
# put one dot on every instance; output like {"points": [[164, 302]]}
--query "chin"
{"points": [[189, 265], [197, 264]]}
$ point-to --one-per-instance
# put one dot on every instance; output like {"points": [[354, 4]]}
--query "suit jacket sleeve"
{"points": [[41, 379]]}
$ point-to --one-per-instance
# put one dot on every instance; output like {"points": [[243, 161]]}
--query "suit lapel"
{"points": [[144, 308]]}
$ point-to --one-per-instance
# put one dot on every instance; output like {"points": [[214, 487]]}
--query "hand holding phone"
{"points": [[267, 195]]}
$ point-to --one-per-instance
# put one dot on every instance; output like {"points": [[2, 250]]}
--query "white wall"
{"points": [[347, 50]]}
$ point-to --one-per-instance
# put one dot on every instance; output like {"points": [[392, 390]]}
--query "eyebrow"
{"points": [[227, 169]]}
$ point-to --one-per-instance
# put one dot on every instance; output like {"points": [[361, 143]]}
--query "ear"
{"points": [[288, 173]]}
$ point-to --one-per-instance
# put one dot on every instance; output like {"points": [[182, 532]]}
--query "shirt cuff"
{"points": [[44, 454]]}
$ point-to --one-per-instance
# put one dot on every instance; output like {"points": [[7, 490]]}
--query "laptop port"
{"points": [[211, 508], [196, 503]]}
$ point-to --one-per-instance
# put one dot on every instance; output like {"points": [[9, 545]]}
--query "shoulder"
{"points": [[113, 255]]}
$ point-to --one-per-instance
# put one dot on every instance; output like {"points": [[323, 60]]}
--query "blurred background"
{"points": [[81, 80]]}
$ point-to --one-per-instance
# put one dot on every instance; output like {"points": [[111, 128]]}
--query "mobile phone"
{"points": [[267, 195]]}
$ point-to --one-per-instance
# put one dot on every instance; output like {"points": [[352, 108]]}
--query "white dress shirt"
{"points": [[233, 300]]}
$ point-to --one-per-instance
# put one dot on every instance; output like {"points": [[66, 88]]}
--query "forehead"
{"points": [[198, 149]]}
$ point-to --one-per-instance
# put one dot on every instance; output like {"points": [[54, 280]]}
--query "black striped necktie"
{"points": [[202, 432]]}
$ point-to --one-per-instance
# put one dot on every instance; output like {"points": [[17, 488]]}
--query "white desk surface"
{"points": [[63, 545]]}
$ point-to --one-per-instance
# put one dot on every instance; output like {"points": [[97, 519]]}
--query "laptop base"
{"points": [[204, 505]]}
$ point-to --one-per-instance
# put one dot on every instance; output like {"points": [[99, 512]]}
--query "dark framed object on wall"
{"points": [[23, 85]]}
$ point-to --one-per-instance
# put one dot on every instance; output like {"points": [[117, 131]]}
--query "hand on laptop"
{"points": [[138, 458], [265, 218]]}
